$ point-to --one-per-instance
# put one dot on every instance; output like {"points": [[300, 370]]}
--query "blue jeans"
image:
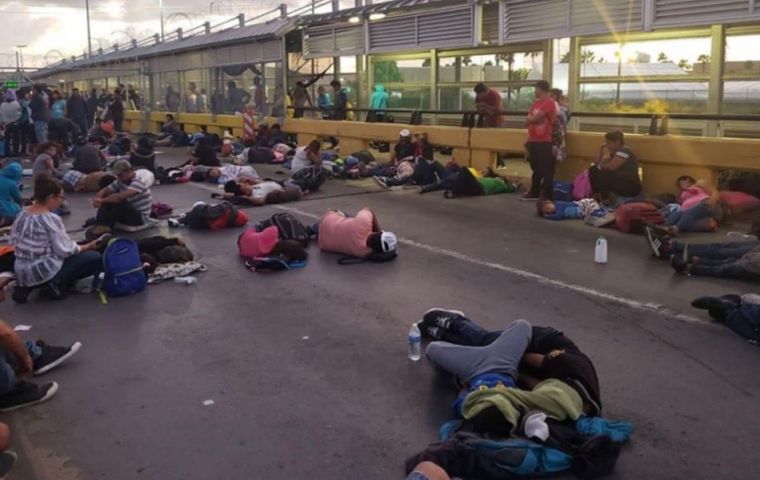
{"points": [[745, 321], [41, 131], [695, 219], [81, 265], [417, 476], [716, 251], [8, 378]]}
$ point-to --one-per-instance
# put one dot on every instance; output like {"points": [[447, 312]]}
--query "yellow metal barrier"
{"points": [[663, 159]]}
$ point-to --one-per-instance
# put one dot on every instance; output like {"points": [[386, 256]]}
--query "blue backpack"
{"points": [[563, 191], [122, 268]]}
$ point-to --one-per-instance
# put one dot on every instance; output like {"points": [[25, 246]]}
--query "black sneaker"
{"points": [[53, 291], [659, 243], [52, 356], [529, 197], [436, 321], [7, 461], [21, 294], [25, 394], [679, 265]]}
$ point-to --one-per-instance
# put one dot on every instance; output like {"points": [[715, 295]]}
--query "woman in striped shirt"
{"points": [[46, 256]]}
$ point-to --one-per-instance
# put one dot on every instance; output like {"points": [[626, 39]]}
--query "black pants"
{"points": [[81, 122], [12, 139], [426, 173], [118, 123], [464, 184], [543, 164], [604, 182], [27, 136], [109, 214]]}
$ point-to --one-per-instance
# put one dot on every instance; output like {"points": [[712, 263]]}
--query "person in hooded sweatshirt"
{"points": [[10, 118], [10, 194], [379, 102]]}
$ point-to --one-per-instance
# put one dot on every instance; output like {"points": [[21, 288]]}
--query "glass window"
{"points": [[168, 96], [742, 55], [643, 97], [496, 68], [409, 98], [741, 97], [560, 62], [347, 64], [463, 98], [195, 88], [401, 71], [688, 56]]}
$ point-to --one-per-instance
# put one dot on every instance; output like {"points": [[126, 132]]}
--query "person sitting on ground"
{"points": [[405, 149], [616, 171], [10, 193], [46, 256], [307, 157], [255, 192], [359, 236], [204, 154], [45, 163], [467, 182], [404, 171], [168, 127], [75, 181], [126, 201], [177, 138], [142, 155], [26, 358], [739, 260], [262, 136], [63, 131], [276, 136], [88, 157], [579, 210], [426, 169], [699, 208]]}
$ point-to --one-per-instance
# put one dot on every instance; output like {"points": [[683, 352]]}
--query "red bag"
{"points": [[633, 217]]}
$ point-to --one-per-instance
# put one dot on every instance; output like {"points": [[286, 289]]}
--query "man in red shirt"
{"points": [[539, 122], [488, 102]]}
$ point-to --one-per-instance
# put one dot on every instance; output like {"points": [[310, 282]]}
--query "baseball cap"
{"points": [[388, 242], [405, 133], [121, 166]]}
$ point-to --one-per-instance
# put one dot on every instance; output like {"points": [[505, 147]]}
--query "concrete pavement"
{"points": [[308, 369]]}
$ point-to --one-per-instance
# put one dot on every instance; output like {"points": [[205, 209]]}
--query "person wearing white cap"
{"points": [[127, 200], [404, 149]]}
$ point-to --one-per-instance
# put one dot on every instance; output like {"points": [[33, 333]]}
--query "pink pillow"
{"points": [[740, 202]]}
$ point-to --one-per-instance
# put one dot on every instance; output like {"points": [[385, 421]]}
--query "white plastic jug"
{"points": [[600, 253]]}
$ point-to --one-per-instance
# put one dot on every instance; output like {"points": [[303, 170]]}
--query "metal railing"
{"points": [[475, 119]]}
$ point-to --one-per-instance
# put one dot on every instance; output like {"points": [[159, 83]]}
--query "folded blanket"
{"points": [[167, 271]]}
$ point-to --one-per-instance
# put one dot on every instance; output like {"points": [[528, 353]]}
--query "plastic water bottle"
{"points": [[415, 343], [600, 253]]}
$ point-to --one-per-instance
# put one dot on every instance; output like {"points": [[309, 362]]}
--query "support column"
{"points": [[715, 89], [573, 73]]}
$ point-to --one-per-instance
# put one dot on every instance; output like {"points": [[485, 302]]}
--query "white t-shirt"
{"points": [[261, 190], [300, 160]]}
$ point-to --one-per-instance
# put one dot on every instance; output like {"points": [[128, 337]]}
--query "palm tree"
{"points": [[684, 64], [662, 58], [704, 58]]}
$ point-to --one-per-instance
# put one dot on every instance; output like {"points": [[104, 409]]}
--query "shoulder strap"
{"points": [[350, 260]]}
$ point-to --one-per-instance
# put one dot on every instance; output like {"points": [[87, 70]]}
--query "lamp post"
{"points": [[161, 9], [89, 36]]}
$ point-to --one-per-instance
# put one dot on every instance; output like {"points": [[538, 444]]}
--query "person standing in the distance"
{"points": [[340, 101], [488, 102], [76, 110], [92, 108], [539, 122], [117, 111], [237, 97]]}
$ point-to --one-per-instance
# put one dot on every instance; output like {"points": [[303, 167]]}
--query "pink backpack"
{"points": [[582, 186]]}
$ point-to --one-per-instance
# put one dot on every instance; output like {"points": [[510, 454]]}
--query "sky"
{"points": [[51, 29]]}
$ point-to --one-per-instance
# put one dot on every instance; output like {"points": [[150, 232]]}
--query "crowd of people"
{"points": [[79, 147]]}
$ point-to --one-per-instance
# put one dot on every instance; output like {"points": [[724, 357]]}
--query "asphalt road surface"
{"points": [[308, 369]]}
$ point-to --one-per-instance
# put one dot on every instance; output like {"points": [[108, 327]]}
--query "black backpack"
{"points": [[289, 227]]}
